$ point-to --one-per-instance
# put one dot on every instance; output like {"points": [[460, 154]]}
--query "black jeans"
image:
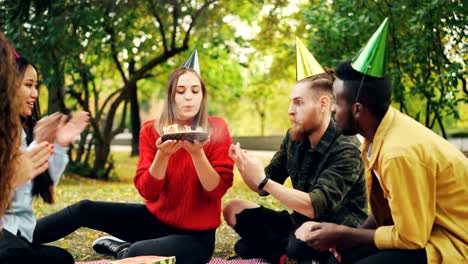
{"points": [[132, 223], [268, 234], [15, 250], [371, 254]]}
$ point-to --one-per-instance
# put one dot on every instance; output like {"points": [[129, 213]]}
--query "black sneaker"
{"points": [[109, 245], [245, 251]]}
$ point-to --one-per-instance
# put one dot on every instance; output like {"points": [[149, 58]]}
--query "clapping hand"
{"points": [[68, 131], [32, 163], [46, 128], [250, 168]]}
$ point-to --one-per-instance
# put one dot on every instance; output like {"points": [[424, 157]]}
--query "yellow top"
{"points": [[423, 185]]}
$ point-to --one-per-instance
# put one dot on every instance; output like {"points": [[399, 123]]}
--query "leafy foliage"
{"points": [[112, 58], [426, 54], [97, 51]]}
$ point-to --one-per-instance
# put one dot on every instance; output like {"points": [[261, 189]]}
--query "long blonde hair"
{"points": [[10, 124], [168, 116]]}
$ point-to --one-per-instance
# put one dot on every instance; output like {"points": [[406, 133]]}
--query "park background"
{"points": [[112, 59]]}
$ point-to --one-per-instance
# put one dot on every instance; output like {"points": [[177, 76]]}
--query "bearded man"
{"points": [[325, 168]]}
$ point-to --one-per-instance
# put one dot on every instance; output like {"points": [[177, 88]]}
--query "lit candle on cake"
{"points": [[173, 132]]}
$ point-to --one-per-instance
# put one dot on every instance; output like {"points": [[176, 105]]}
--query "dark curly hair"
{"points": [[10, 125], [373, 92]]}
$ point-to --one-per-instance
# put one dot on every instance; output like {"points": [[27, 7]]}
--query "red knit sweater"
{"points": [[179, 199]]}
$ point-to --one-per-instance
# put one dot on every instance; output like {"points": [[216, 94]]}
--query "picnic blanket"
{"points": [[213, 261], [237, 261]]}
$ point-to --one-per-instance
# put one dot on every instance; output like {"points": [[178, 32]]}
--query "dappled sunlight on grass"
{"points": [[125, 166], [72, 189]]}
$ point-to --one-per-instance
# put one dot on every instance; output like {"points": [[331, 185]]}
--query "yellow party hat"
{"points": [[306, 64]]}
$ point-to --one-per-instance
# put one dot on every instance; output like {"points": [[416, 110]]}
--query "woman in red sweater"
{"points": [[182, 183]]}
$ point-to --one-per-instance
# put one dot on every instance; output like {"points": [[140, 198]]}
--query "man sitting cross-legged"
{"points": [[325, 169]]}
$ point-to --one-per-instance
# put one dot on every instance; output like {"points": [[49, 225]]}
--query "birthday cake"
{"points": [[173, 132]]}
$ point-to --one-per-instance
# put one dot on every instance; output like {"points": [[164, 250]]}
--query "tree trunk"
{"points": [[80, 150], [428, 111], [88, 151], [262, 123], [135, 121], [134, 113], [101, 151], [441, 125], [56, 102]]}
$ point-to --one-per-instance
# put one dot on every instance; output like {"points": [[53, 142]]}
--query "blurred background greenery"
{"points": [[112, 58]]}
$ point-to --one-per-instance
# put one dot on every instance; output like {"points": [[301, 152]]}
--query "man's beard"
{"points": [[349, 131], [350, 128], [298, 133]]}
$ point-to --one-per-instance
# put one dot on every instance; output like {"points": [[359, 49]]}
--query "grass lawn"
{"points": [[72, 189]]}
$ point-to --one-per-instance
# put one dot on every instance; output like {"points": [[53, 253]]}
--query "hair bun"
{"points": [[329, 70]]}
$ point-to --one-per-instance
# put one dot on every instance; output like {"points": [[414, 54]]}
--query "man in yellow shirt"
{"points": [[417, 182]]}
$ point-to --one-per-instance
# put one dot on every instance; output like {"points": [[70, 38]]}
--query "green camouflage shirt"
{"points": [[332, 174]]}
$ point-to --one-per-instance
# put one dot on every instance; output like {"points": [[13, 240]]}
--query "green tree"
{"points": [[94, 44], [270, 66], [426, 53]]}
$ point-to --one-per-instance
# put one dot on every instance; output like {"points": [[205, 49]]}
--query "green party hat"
{"points": [[306, 64], [371, 58]]}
